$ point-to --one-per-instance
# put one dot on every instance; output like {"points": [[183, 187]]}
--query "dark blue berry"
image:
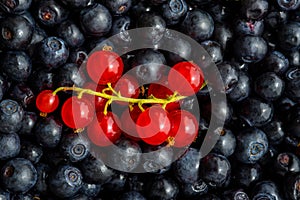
{"points": [[65, 181], [214, 50], [22, 94], [292, 186], [132, 195], [41, 185], [235, 195], [41, 79], [286, 162], [10, 145], [288, 4], [247, 174], [266, 190], [90, 189], [242, 89], [276, 62], [11, 116], [69, 75], [229, 74], [78, 56], [194, 190], [18, 175], [289, 36], [174, 10], [31, 151], [254, 9], [162, 188], [244, 27], [77, 3], [274, 131], [70, 33], [226, 143], [119, 30], [118, 6], [15, 6], [4, 195], [223, 35]]}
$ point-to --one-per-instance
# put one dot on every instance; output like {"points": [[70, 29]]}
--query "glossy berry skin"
{"points": [[132, 195], [104, 130], [288, 5], [95, 20], [226, 143], [15, 7], [265, 190], [189, 75], [214, 50], [128, 122], [78, 56], [69, 75], [104, 67], [128, 86], [95, 171], [77, 3], [223, 34], [10, 144], [230, 76], [31, 151], [118, 7], [11, 115], [247, 174], [194, 190], [77, 113], [153, 125], [4, 195], [71, 34], [215, 169], [251, 145], [198, 24], [22, 94], [48, 132], [244, 27], [184, 127], [65, 181], [256, 112], [269, 86], [235, 195], [174, 10], [127, 156], [250, 49], [41, 79], [18, 175], [154, 22], [74, 147], [274, 131], [28, 123], [148, 66], [16, 33], [276, 62], [16, 65], [186, 168], [51, 13], [120, 26], [242, 88], [52, 52], [98, 102], [46, 102], [286, 163], [288, 36], [163, 188], [90, 189], [254, 9], [291, 186]]}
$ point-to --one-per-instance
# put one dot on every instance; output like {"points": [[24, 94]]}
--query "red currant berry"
{"points": [[99, 102], [161, 90], [153, 125], [184, 127], [104, 130], [77, 113], [104, 67], [186, 78], [128, 87], [46, 102]]}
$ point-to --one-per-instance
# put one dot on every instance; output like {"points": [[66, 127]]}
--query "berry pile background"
{"points": [[255, 45]]}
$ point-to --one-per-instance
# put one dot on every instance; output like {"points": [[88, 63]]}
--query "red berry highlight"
{"points": [[46, 102]]}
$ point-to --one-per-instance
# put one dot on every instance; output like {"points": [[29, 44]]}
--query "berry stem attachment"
{"points": [[116, 96]]}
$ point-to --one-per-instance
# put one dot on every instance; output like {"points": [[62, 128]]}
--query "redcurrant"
{"points": [[46, 102], [104, 130], [104, 67], [98, 102], [186, 78], [153, 125], [184, 127], [77, 113]]}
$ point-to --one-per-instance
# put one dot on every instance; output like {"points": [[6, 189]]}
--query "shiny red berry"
{"points": [[77, 113], [98, 102], [186, 78], [46, 102], [153, 125], [104, 130], [184, 127], [104, 67]]}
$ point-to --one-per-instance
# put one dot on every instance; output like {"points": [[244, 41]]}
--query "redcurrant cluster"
{"points": [[155, 119]]}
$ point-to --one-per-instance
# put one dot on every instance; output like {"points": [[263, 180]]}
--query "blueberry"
{"points": [[52, 52], [186, 168], [294, 58], [174, 10], [250, 49], [4, 195], [65, 181], [69, 75], [136, 182], [214, 50], [48, 132], [251, 145], [276, 18], [276, 62], [77, 3], [74, 147], [95, 171], [210, 197], [90, 189], [154, 22], [293, 89], [118, 6], [247, 174], [286, 162], [70, 33], [194, 190], [41, 79], [127, 155], [223, 35], [16, 33], [162, 188], [15, 6], [198, 24], [274, 131], [28, 123], [254, 9], [120, 26], [95, 20], [265, 190], [291, 186], [230, 76], [22, 94], [226, 143], [4, 84], [148, 66], [41, 185], [31, 151], [132, 195], [244, 27], [215, 170], [116, 185], [235, 195], [221, 13], [11, 116], [289, 36], [242, 89], [288, 5], [78, 56], [38, 35], [18, 175], [10, 144], [51, 13], [256, 112]]}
